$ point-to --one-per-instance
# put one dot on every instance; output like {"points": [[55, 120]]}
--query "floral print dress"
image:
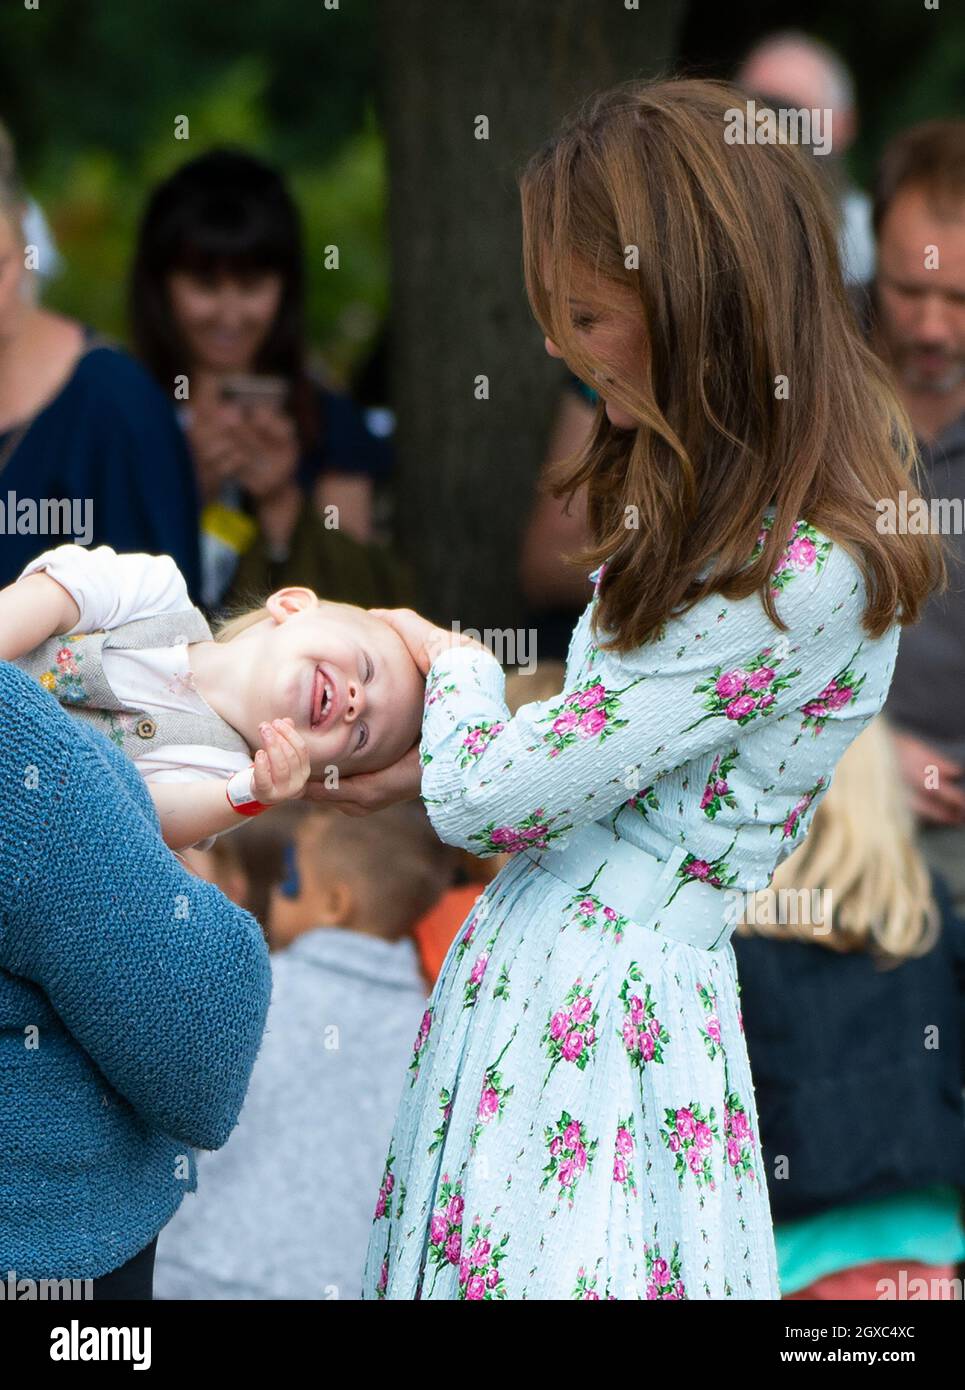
{"points": [[578, 1119]]}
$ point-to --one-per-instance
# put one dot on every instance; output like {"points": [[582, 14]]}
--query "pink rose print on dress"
{"points": [[738, 1138], [716, 872], [689, 1134], [532, 833], [792, 821], [436, 690], [479, 1276], [623, 1150], [492, 1102], [476, 740], [570, 1033], [585, 1288], [477, 974], [419, 1045], [643, 802], [570, 1156], [445, 1228], [711, 1032], [467, 938], [445, 1105], [838, 693], [383, 1204], [589, 712], [717, 792], [493, 1096], [644, 1037], [743, 693], [806, 549], [663, 1277], [586, 910]]}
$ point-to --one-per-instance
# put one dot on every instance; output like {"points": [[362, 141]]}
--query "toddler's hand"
{"points": [[282, 767]]}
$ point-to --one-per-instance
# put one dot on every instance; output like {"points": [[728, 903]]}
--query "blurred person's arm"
{"points": [[546, 579], [351, 493], [922, 764], [350, 460]]}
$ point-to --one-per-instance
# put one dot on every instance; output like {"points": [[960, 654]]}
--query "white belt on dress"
{"points": [[641, 887]]}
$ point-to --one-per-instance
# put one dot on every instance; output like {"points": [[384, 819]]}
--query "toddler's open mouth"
{"points": [[324, 699]]}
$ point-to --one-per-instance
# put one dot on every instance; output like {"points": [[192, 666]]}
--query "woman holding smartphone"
{"points": [[217, 308]]}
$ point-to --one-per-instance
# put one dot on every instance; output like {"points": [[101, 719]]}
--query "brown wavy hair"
{"points": [[739, 283]]}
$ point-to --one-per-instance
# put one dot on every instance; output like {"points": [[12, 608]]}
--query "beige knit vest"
{"points": [[71, 669]]}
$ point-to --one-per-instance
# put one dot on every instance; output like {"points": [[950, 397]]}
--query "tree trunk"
{"points": [[467, 466]]}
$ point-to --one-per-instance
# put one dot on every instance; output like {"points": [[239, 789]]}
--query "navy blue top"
{"points": [[848, 1087], [109, 436], [346, 443]]}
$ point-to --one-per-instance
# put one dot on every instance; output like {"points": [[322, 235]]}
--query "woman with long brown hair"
{"points": [[579, 1120]]}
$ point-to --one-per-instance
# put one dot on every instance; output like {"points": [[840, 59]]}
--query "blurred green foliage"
{"points": [[91, 90]]}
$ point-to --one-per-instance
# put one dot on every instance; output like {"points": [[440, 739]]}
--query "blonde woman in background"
{"points": [[855, 1036]]}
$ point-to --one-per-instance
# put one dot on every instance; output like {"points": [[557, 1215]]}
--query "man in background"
{"points": [[793, 70], [915, 313]]}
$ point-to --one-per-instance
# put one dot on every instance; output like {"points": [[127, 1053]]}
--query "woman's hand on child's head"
{"points": [[371, 791], [282, 767], [423, 639]]}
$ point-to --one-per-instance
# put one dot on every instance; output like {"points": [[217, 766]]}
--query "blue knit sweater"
{"points": [[133, 999]]}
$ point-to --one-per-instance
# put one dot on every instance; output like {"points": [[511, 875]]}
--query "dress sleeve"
{"points": [[111, 589], [495, 783]]}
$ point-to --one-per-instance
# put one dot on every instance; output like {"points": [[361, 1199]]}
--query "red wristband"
{"points": [[250, 808], [242, 801]]}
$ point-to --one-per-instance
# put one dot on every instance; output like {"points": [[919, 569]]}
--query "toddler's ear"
{"points": [[283, 603]]}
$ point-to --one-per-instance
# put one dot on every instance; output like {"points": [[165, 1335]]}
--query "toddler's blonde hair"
{"points": [[243, 618]]}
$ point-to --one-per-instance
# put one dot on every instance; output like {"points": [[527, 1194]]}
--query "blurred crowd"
{"points": [[219, 440]]}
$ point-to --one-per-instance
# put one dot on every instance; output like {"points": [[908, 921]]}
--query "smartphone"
{"points": [[241, 389]]}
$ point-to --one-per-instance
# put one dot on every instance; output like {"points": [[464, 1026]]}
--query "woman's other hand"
{"points": [[370, 791]]}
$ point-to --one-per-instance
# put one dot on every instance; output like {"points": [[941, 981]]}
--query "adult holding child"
{"points": [[581, 1120], [133, 996]]}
